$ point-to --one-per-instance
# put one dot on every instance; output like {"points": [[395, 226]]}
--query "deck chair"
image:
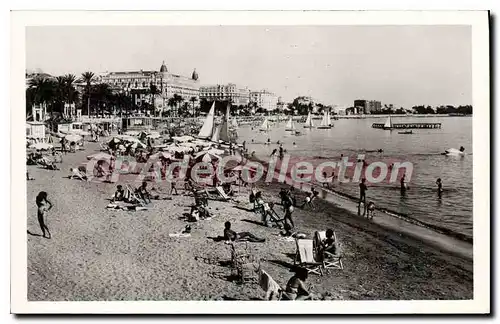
{"points": [[330, 260], [275, 218], [217, 193], [306, 257], [130, 196]]}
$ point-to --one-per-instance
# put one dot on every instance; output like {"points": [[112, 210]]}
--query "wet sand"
{"points": [[100, 254]]}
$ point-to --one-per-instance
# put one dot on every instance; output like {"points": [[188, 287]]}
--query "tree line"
{"points": [[98, 98]]}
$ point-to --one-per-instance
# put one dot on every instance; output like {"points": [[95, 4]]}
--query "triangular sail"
{"points": [[309, 121], [216, 135], [293, 126], [329, 120], [289, 124], [324, 121], [265, 125], [234, 123], [224, 133], [207, 129], [388, 123]]}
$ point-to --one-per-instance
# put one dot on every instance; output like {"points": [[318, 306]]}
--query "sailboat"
{"points": [[207, 129], [216, 135], [325, 122], [388, 123], [265, 126], [309, 122], [329, 119], [290, 125], [234, 123]]}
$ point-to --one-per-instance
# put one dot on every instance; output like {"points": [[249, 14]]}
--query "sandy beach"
{"points": [[100, 254]]}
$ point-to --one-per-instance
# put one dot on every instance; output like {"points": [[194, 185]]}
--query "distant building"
{"points": [[264, 99], [367, 106], [226, 92], [138, 84]]}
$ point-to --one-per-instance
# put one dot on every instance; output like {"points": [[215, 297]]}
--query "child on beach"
{"points": [[370, 210], [44, 205]]}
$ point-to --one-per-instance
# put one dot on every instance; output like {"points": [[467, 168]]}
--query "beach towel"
{"points": [[270, 286], [179, 234]]}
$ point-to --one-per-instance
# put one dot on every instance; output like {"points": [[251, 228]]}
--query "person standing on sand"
{"points": [[362, 195], [288, 215], [44, 205]]}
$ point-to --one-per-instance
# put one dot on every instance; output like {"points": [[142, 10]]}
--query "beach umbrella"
{"points": [[73, 137], [207, 157], [41, 146], [100, 156], [132, 133], [185, 138], [213, 151], [165, 155], [154, 135]]}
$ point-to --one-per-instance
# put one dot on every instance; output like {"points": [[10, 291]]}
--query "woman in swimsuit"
{"points": [[44, 205], [295, 288]]}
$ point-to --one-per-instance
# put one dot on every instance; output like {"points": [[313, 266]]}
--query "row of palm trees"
{"points": [[96, 97]]}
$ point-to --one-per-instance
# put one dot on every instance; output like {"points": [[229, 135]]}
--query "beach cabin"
{"points": [[35, 130], [141, 123], [69, 127]]}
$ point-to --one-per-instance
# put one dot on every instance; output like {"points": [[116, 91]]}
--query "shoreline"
{"points": [[452, 241]]}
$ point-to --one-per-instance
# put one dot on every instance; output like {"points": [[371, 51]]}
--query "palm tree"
{"points": [[153, 91], [42, 91], [88, 77], [171, 103], [102, 94], [193, 100]]}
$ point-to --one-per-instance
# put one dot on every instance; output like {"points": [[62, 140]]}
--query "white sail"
{"points": [[265, 125], [309, 121], [216, 135], [234, 123], [388, 123], [329, 120], [324, 121], [293, 126], [206, 130], [289, 124], [224, 132]]}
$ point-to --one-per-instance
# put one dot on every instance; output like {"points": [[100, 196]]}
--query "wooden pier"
{"points": [[409, 125]]}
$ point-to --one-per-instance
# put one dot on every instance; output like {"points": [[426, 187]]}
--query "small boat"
{"points": [[455, 152], [265, 126], [406, 132], [325, 122], [388, 123], [297, 133], [309, 122], [289, 125]]}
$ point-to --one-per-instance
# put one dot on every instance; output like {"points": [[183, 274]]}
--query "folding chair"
{"points": [[217, 193], [275, 218], [330, 260], [306, 257]]}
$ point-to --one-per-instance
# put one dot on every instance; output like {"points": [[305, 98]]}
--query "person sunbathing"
{"points": [[75, 173], [119, 194], [295, 288], [230, 235]]}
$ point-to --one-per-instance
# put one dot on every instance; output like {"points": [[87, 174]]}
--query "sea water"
{"points": [[423, 149]]}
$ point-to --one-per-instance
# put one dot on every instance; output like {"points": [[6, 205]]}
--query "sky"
{"points": [[399, 65]]}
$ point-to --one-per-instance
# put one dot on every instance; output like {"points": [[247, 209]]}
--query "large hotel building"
{"points": [[137, 84], [226, 92]]}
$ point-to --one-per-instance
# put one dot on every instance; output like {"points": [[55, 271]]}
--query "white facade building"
{"points": [[264, 99]]}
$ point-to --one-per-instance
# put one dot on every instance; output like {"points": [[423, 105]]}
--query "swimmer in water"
{"points": [[462, 149], [380, 150], [440, 187], [294, 144], [403, 185], [274, 152]]}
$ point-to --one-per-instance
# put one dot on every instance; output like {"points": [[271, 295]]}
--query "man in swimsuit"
{"points": [[403, 185], [362, 195], [230, 235], [440, 187]]}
